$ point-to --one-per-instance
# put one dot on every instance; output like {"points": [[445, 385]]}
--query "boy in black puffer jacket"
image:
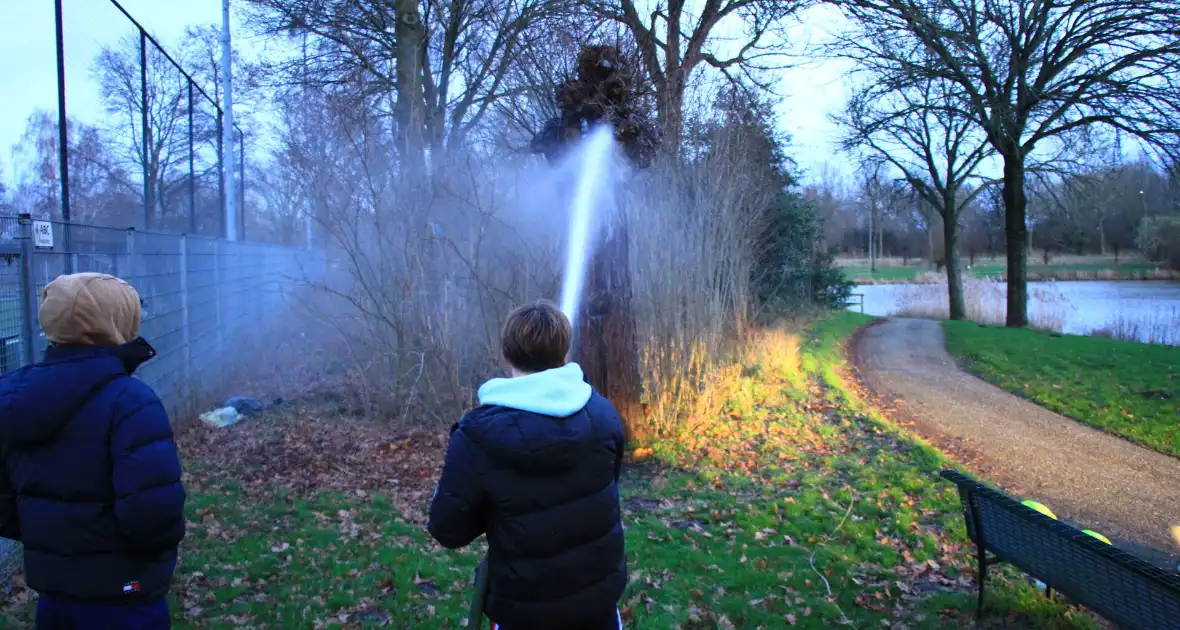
{"points": [[89, 475], [536, 467]]}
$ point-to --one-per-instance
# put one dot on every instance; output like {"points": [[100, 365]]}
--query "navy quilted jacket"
{"points": [[536, 468], [90, 478]]}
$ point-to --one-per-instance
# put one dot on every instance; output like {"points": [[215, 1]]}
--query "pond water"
{"points": [[1148, 311]]}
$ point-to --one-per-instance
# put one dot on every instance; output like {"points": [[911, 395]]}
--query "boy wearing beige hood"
{"points": [[89, 473]]}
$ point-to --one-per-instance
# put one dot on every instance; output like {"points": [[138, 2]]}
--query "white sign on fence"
{"points": [[43, 234]]}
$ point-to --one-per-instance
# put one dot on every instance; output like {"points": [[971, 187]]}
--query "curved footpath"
{"points": [[1091, 478]]}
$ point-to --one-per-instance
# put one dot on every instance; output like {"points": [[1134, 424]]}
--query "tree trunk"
{"points": [[930, 240], [954, 274], [880, 240], [605, 340], [872, 245], [1016, 234], [671, 113], [410, 104]]}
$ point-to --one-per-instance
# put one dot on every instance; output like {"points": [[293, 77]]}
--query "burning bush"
{"points": [[603, 90]]}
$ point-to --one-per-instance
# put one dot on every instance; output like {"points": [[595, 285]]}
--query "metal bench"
{"points": [[1112, 583]]}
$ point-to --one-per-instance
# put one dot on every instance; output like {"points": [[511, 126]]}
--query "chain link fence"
{"points": [[204, 300]]}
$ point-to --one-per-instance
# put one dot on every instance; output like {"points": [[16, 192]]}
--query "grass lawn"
{"points": [[999, 269], [793, 506], [882, 274], [1129, 389]]}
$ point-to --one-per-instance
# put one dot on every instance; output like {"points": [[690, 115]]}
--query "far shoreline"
{"points": [[1161, 276]]}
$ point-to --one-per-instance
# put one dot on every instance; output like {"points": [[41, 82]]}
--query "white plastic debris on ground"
{"points": [[220, 418]]}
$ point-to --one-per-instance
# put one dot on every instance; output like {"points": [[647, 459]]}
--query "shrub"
{"points": [[793, 270], [1159, 240]]}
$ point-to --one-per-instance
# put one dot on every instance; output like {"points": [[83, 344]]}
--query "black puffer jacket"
{"points": [[536, 468], [89, 476]]}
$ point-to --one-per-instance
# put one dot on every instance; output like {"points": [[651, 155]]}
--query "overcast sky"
{"points": [[29, 80]]}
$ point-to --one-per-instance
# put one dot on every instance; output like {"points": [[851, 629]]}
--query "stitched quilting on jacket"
{"points": [[536, 467], [89, 476]]}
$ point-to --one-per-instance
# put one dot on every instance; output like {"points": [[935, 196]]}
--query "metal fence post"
{"points": [[186, 388], [145, 136], [242, 186], [192, 171], [28, 292], [63, 141], [129, 273], [307, 223], [217, 280], [221, 174]]}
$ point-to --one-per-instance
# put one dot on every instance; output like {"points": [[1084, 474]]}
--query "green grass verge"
{"points": [[1129, 389], [882, 274], [1012, 602], [794, 491], [1121, 270], [1093, 271]]}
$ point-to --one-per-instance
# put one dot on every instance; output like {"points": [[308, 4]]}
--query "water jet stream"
{"points": [[593, 163]]}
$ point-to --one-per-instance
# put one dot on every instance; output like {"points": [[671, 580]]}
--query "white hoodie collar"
{"points": [[559, 392]]}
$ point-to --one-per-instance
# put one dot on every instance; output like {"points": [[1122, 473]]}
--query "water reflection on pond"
{"points": [[1148, 311]]}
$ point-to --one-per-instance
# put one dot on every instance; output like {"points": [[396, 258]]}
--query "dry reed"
{"points": [[423, 272], [986, 302], [1157, 326]]}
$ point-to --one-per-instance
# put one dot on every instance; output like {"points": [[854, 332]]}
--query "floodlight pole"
{"points": [[63, 138], [231, 200]]}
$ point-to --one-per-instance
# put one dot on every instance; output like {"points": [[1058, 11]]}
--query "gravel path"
{"points": [[1093, 479]]}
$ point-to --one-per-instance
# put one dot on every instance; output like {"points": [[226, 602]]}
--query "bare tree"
{"points": [[164, 95], [100, 190], [163, 170], [1027, 72], [673, 43], [919, 131], [443, 63], [282, 216], [5, 208]]}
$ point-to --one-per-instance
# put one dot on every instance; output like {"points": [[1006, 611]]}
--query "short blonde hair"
{"points": [[536, 337]]}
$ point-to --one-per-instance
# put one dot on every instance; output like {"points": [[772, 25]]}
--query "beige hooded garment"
{"points": [[92, 309]]}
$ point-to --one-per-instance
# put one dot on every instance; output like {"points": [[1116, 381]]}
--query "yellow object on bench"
{"points": [[1097, 535], [1040, 508]]}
